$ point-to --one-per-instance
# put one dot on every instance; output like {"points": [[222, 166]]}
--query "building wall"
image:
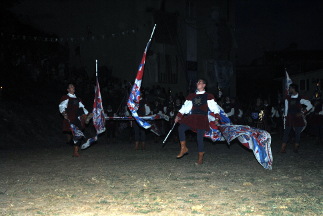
{"points": [[117, 33], [307, 82]]}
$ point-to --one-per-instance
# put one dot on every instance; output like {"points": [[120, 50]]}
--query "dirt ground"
{"points": [[113, 179]]}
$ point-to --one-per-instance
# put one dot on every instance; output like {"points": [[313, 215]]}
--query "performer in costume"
{"points": [[73, 110], [294, 115], [196, 105], [233, 110], [317, 118], [177, 106], [140, 133]]}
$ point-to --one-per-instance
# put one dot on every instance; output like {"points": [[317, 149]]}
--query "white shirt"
{"points": [[63, 105], [188, 105], [307, 103]]}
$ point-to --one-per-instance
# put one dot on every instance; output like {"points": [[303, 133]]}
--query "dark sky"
{"points": [[261, 25], [267, 25]]}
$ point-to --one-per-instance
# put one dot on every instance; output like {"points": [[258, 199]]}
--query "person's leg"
{"points": [[143, 138], [297, 138], [113, 131], [108, 130], [321, 133], [76, 148], [200, 144], [317, 133], [285, 139], [181, 133], [200, 136], [136, 129], [182, 128]]}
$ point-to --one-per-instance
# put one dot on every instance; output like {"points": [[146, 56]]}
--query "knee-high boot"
{"points": [[136, 145], [296, 148], [283, 149], [184, 150], [143, 146], [76, 152], [200, 160]]}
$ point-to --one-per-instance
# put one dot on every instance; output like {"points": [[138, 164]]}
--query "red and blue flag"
{"points": [[98, 116], [288, 81], [134, 98], [259, 141]]}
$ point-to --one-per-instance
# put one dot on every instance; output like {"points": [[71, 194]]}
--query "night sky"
{"points": [[261, 25], [268, 25]]}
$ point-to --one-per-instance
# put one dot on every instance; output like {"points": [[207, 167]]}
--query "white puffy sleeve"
{"points": [[186, 108], [63, 105], [82, 106], [213, 106], [147, 109], [307, 103]]}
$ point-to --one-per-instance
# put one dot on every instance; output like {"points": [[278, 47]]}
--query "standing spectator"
{"points": [[157, 109], [257, 114], [140, 133], [317, 119], [237, 115], [110, 124], [176, 108]]}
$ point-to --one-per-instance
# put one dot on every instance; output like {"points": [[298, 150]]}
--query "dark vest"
{"points": [[294, 105], [227, 107], [198, 101], [141, 109]]}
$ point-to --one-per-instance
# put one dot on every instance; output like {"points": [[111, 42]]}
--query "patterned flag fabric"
{"points": [[98, 112], [77, 133], [133, 101], [98, 116], [288, 81], [259, 141]]}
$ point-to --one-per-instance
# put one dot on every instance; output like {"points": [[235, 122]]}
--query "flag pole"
{"points": [[164, 142], [152, 33], [96, 68]]}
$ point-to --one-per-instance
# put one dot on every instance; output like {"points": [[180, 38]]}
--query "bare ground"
{"points": [[113, 179], [38, 176]]}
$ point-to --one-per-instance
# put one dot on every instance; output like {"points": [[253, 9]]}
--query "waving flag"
{"points": [[98, 112], [133, 101], [259, 141], [98, 116], [288, 81], [76, 132]]}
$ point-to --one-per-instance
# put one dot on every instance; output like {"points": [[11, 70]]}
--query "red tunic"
{"points": [[198, 119], [294, 108], [72, 113]]}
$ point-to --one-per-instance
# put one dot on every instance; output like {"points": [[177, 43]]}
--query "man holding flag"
{"points": [[294, 115], [75, 115], [97, 113]]}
